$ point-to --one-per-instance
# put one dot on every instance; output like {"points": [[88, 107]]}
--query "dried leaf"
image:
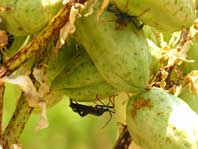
{"points": [[15, 146], [69, 28], [26, 85], [41, 77], [43, 122], [34, 99], [178, 55], [177, 91], [192, 81], [102, 8], [91, 10]]}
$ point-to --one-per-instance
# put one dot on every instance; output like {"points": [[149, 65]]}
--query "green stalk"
{"points": [[2, 87], [23, 111], [17, 123]]}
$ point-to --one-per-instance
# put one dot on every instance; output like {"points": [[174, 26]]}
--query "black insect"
{"points": [[10, 40], [97, 110], [84, 110], [123, 19]]}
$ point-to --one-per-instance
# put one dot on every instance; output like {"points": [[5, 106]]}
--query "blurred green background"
{"points": [[67, 130]]}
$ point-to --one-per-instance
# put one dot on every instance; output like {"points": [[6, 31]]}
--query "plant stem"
{"points": [[17, 123], [2, 87], [23, 111]]}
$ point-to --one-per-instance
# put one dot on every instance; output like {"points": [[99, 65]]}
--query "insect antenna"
{"points": [[109, 107]]}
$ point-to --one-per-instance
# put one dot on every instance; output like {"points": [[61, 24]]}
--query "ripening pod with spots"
{"points": [[121, 55], [81, 81], [158, 120], [165, 15], [23, 17]]}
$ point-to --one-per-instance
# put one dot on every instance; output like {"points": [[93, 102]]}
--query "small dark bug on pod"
{"points": [[97, 110], [123, 19]]}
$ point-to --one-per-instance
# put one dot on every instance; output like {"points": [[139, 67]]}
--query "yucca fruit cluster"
{"points": [[145, 48]]}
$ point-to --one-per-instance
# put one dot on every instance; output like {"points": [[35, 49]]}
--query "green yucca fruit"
{"points": [[121, 56], [165, 15], [158, 120], [81, 81], [28, 17]]}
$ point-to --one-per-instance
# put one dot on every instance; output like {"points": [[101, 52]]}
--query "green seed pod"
{"points": [[93, 92], [187, 67], [152, 34], [165, 15], [155, 57], [81, 81], [189, 91], [55, 66], [28, 17], [121, 56], [187, 94], [190, 98], [158, 120], [79, 72]]}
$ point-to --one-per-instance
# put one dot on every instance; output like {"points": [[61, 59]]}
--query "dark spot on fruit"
{"points": [[140, 103], [159, 113], [135, 53], [20, 28]]}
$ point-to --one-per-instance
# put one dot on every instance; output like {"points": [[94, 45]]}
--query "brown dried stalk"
{"points": [[124, 140]]}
